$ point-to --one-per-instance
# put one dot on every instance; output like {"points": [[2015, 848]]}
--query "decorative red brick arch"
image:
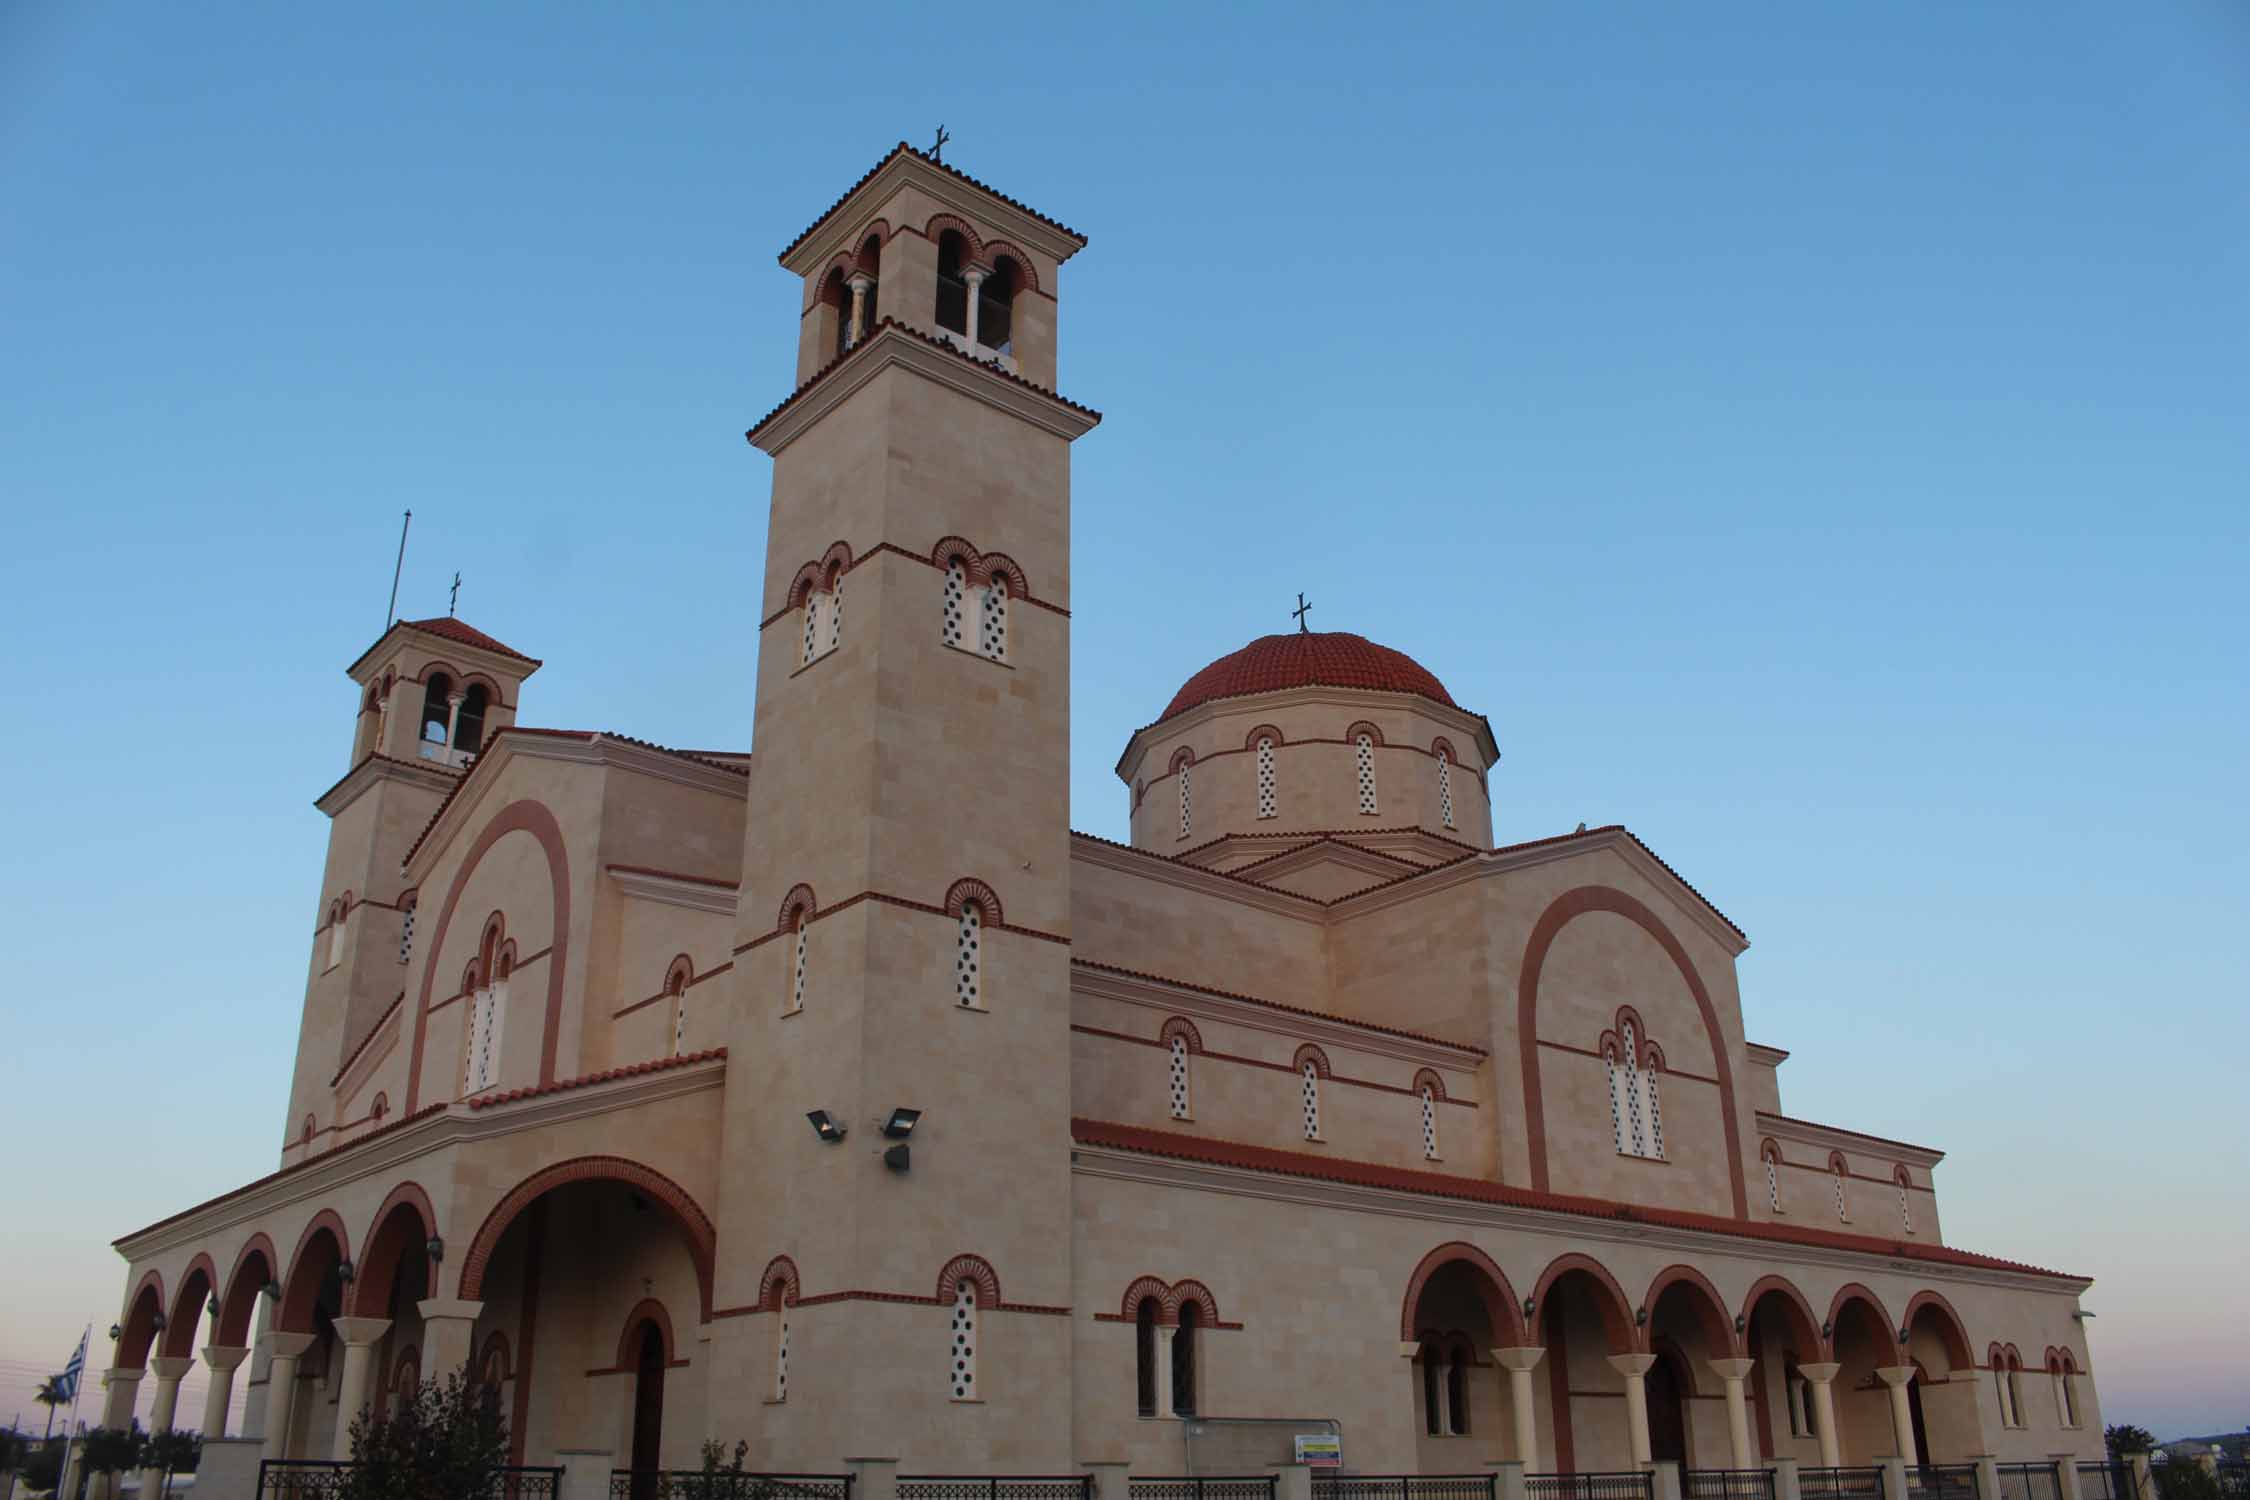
{"points": [[1143, 1287], [779, 1285], [1183, 756], [1308, 1053], [939, 223], [1427, 1078], [1182, 1027], [1263, 732], [800, 900], [685, 1212], [1609, 1299], [1951, 1331], [835, 562], [679, 974], [300, 1289], [402, 1226], [524, 816], [142, 1309], [198, 1285], [1806, 1327], [1182, 1293], [957, 549], [647, 1310], [803, 584], [973, 1268], [1838, 1165], [989, 253], [240, 1299], [1502, 1304], [968, 888], [1710, 1307], [1000, 565], [1846, 1295], [1559, 913], [1368, 727]]}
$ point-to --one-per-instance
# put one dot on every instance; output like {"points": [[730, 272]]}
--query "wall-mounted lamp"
{"points": [[158, 1322], [272, 1289], [901, 1123], [1828, 1330], [213, 1308], [1530, 1308], [1902, 1336], [1741, 1323], [826, 1125], [115, 1333], [344, 1271], [1640, 1317], [436, 1250], [2080, 1316]]}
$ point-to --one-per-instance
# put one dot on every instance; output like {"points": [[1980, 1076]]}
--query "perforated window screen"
{"points": [[1267, 801]]}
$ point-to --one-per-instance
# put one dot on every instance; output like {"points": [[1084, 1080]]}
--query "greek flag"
{"points": [[76, 1367]]}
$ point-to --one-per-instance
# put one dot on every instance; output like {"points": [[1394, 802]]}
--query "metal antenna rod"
{"points": [[390, 611]]}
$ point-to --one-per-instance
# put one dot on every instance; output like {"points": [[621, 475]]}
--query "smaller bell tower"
{"points": [[430, 694]]}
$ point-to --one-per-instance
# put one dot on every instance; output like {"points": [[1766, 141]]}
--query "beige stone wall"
{"points": [[1171, 924]]}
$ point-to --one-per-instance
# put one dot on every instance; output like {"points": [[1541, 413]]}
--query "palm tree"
{"points": [[51, 1394]]}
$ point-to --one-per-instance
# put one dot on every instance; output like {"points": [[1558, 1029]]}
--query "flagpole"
{"points": [[77, 1388]]}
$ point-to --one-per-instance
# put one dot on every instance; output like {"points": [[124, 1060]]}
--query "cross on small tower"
{"points": [[937, 152], [1303, 609], [454, 602]]}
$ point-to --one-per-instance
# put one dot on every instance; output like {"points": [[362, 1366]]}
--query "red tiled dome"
{"points": [[1319, 658]]}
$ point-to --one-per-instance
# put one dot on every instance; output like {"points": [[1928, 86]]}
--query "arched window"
{"points": [[1268, 803], [952, 290], [1183, 1359], [962, 1374], [488, 1016], [967, 964], [1144, 1356], [838, 295], [676, 986], [1905, 1206], [468, 730], [996, 302], [835, 613], [406, 929], [1770, 1154], [1445, 788], [2000, 1389], [1800, 1402], [336, 916], [1636, 1116], [781, 1349], [956, 599], [992, 622], [2066, 1388], [797, 964], [1837, 1172], [1429, 1123], [1311, 1072], [1457, 1390], [1363, 749], [1187, 806], [1179, 1060], [437, 710], [2015, 1391]]}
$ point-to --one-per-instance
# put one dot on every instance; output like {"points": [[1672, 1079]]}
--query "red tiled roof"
{"points": [[466, 634], [903, 149], [1179, 1147], [1334, 658], [632, 1070]]}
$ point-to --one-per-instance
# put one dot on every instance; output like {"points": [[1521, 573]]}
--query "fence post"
{"points": [[1665, 1477], [1988, 1478], [2136, 1464], [2066, 1475], [1786, 1483], [1112, 1478], [1289, 1482], [1894, 1477], [1507, 1476], [585, 1473], [873, 1478]]}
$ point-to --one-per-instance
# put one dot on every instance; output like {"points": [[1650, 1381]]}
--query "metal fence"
{"points": [[316, 1479], [1199, 1487], [1942, 1481], [1727, 1484], [1840, 1484], [2234, 1479], [1597, 1486], [725, 1484], [2103, 1482], [1327, 1484], [2029, 1482], [996, 1487]]}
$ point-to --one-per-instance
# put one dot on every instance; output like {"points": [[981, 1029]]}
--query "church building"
{"points": [[841, 1100]]}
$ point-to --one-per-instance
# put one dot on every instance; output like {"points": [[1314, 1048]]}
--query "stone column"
{"points": [[1988, 1477], [360, 1336], [2136, 1464], [1164, 1371], [1822, 1379], [1510, 1473], [120, 1388], [453, 723], [1902, 1413], [218, 1397], [1635, 1368], [1894, 1477], [585, 1473], [858, 327], [1291, 1481], [1786, 1485], [1519, 1362], [2066, 1475], [168, 1369], [974, 276], [284, 1350], [1734, 1372], [447, 1327]]}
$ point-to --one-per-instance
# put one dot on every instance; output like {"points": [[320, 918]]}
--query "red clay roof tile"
{"points": [[1334, 658], [903, 149], [466, 634]]}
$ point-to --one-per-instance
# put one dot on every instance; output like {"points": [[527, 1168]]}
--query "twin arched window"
{"points": [[989, 601], [976, 302], [452, 719], [1636, 1114], [824, 619], [487, 987], [854, 295], [1445, 1387]]}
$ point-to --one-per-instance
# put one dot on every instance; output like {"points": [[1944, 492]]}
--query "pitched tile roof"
{"points": [[464, 633], [607, 1075], [903, 149], [1180, 1147]]}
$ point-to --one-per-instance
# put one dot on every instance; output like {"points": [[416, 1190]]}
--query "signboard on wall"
{"points": [[1320, 1450]]}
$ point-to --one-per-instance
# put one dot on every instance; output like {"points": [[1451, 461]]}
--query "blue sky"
{"points": [[1815, 435]]}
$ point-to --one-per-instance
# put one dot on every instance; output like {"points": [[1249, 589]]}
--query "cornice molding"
{"points": [[674, 890], [569, 749], [1567, 1229], [1275, 1020], [465, 655], [373, 768], [1104, 855], [1765, 1056], [455, 1125], [1312, 695], [1850, 1142], [894, 347]]}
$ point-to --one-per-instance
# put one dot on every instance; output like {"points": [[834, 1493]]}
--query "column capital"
{"points": [[1819, 1374], [974, 275], [362, 1330], [121, 1375], [171, 1366], [1891, 1375], [1735, 1369], [1633, 1365], [220, 1357], [859, 281], [450, 1307], [287, 1345], [1409, 1348], [1521, 1357]]}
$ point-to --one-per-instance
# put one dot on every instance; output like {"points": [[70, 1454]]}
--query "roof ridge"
{"points": [[903, 149]]}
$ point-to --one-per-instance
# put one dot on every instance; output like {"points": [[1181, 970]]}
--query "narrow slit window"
{"points": [[1365, 751], [1616, 1098], [1905, 1207], [406, 936], [1183, 1359], [1429, 1123], [336, 936], [1268, 803], [967, 962], [1187, 805], [797, 968], [1445, 788], [1773, 1179], [1841, 1216], [1179, 1078], [992, 627], [1636, 1127], [963, 1353], [812, 629], [1144, 1357], [835, 616], [679, 1023], [1312, 1101], [956, 598], [781, 1352]]}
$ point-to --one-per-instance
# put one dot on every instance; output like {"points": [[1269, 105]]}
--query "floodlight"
{"points": [[901, 1123], [825, 1125]]}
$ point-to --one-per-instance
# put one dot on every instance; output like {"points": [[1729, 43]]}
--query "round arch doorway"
{"points": [[1666, 1394], [648, 1407]]}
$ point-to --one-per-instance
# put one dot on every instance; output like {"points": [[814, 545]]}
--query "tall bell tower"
{"points": [[903, 931]]}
